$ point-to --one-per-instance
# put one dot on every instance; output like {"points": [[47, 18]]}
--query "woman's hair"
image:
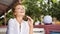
{"points": [[13, 8]]}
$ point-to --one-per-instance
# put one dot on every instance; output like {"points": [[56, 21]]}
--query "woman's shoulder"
{"points": [[11, 20], [11, 23], [26, 22]]}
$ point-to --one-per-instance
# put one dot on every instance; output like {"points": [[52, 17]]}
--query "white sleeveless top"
{"points": [[14, 27]]}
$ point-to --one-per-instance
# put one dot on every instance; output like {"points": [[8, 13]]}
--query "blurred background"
{"points": [[43, 12]]}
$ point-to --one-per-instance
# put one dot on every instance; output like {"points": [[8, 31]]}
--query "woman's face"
{"points": [[20, 10]]}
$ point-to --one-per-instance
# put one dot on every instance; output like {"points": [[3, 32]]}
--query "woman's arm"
{"points": [[10, 27], [31, 30], [30, 22]]}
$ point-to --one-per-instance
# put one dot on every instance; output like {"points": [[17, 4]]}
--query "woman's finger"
{"points": [[29, 18]]}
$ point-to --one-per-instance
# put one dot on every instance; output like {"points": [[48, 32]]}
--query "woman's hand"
{"points": [[30, 21]]}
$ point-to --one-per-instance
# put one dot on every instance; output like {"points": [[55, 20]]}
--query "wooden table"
{"points": [[49, 28]]}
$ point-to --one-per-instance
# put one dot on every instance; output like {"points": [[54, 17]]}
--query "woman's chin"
{"points": [[21, 15]]}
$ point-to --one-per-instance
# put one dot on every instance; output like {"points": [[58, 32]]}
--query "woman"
{"points": [[18, 25]]}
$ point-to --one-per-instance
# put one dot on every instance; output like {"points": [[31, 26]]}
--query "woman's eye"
{"points": [[18, 8]]}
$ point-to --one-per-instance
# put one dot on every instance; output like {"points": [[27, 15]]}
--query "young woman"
{"points": [[18, 25]]}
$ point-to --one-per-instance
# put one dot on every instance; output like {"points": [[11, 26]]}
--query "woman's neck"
{"points": [[19, 19]]}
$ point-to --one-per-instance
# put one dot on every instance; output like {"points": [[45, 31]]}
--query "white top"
{"points": [[14, 27], [47, 19]]}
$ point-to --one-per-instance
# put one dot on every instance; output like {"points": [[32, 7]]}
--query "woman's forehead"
{"points": [[19, 6]]}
